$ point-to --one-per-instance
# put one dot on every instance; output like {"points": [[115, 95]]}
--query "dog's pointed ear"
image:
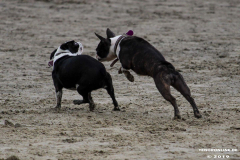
{"points": [[72, 41], [52, 54], [100, 37], [110, 34], [64, 46]]}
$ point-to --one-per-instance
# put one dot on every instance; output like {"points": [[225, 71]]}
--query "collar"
{"points": [[115, 44], [115, 47], [61, 53], [56, 57]]}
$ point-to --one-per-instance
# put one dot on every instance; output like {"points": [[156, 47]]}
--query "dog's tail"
{"points": [[108, 76], [163, 66], [169, 65], [108, 81]]}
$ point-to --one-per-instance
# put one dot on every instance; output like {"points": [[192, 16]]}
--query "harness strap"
{"points": [[117, 42], [129, 33], [59, 53]]}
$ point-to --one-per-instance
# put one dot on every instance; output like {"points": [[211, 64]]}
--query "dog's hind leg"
{"points": [[180, 85], [91, 103], [110, 91], [87, 98], [163, 85], [84, 94]]}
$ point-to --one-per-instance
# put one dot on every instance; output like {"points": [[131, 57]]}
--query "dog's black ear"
{"points": [[100, 37], [64, 46], [71, 42], [110, 34], [52, 54]]}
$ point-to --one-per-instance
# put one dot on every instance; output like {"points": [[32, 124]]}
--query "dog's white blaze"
{"points": [[77, 85], [113, 42]]}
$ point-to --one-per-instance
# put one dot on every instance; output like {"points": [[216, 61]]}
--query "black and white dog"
{"points": [[138, 55], [74, 71]]}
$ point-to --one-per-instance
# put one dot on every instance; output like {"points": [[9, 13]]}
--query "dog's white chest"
{"points": [[113, 43]]}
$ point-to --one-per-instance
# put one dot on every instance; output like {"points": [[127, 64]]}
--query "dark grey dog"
{"points": [[138, 55]]}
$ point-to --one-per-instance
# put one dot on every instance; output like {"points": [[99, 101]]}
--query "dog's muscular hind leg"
{"points": [[84, 94], [164, 88], [110, 91], [182, 87], [127, 74]]}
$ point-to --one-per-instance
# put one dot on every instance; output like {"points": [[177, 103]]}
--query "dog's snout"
{"points": [[80, 49]]}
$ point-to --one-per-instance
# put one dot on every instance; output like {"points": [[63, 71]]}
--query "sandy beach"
{"points": [[200, 38]]}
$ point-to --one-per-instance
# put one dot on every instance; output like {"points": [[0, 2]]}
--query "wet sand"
{"points": [[200, 38]]}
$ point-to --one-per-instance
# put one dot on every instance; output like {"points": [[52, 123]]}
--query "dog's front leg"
{"points": [[91, 103], [127, 74], [59, 98]]}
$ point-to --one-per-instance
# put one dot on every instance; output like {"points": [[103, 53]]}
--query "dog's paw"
{"points": [[197, 115], [58, 107], [92, 107], [130, 77], [116, 109], [78, 102], [178, 116], [120, 71]]}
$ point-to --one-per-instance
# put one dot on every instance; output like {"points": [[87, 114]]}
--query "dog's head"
{"points": [[68, 48], [103, 48], [71, 47]]}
